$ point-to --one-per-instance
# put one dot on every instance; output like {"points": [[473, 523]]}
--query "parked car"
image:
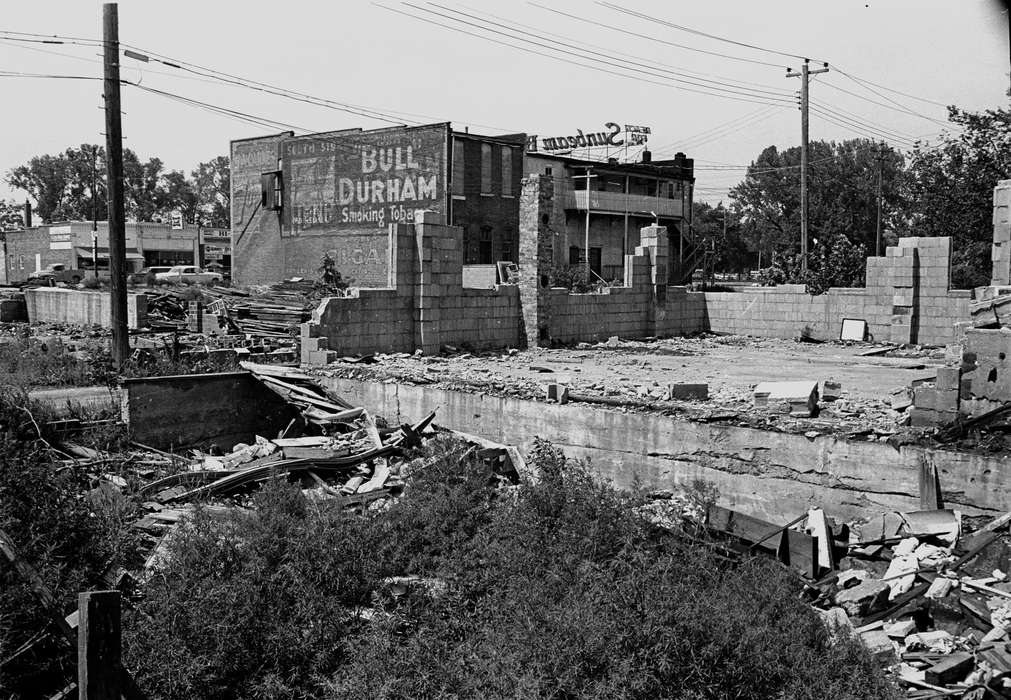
{"points": [[142, 275], [189, 274], [57, 272]]}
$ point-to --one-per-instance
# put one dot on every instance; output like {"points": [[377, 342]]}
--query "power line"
{"points": [[566, 60], [698, 142], [746, 92], [683, 28], [655, 39], [649, 63], [904, 110]]}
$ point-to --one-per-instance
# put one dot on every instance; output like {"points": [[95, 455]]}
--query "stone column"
{"points": [[536, 248]]}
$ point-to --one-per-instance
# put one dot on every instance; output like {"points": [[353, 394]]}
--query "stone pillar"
{"points": [[1001, 255], [536, 249]]}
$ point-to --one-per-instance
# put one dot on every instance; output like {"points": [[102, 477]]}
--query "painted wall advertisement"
{"points": [[249, 159], [362, 181]]}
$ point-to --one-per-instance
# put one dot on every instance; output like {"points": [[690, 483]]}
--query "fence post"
{"points": [[99, 666]]}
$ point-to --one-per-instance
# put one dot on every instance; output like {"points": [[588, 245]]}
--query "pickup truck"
{"points": [[190, 274], [57, 272]]}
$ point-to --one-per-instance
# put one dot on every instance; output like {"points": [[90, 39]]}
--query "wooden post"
{"points": [[99, 666]]}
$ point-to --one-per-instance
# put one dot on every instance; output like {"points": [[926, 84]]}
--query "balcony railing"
{"points": [[619, 203]]}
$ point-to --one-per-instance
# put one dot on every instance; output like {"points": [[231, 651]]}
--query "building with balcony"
{"points": [[605, 204]]}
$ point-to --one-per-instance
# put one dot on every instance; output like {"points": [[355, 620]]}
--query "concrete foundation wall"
{"points": [[201, 409], [774, 476], [85, 308]]}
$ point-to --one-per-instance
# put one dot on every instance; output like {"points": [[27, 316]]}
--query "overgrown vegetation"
{"points": [[555, 588], [30, 362], [578, 280], [67, 527], [834, 262]]}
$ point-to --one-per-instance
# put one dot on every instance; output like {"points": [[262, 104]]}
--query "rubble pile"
{"points": [[931, 603]]}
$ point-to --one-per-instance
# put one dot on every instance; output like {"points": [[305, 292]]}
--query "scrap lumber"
{"points": [[798, 548]]}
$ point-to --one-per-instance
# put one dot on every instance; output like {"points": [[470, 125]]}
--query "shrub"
{"points": [[554, 588], [68, 535]]}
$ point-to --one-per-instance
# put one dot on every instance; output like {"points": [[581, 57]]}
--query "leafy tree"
{"points": [[212, 184], [62, 185], [10, 216], [950, 189], [842, 194], [732, 251]]}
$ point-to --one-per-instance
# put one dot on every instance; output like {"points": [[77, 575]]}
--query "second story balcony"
{"points": [[620, 203]]}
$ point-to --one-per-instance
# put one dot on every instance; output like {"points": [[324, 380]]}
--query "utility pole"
{"points": [[804, 75], [586, 233], [94, 210], [114, 180], [881, 160]]}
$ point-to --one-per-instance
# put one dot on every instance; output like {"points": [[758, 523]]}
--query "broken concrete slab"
{"points": [[864, 598], [800, 396]]}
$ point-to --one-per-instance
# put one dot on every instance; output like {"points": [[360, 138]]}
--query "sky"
{"points": [[708, 78]]}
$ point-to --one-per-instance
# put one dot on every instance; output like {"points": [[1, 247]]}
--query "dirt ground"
{"points": [[639, 371]]}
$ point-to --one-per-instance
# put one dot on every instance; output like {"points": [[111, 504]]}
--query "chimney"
{"points": [[28, 214], [647, 157]]}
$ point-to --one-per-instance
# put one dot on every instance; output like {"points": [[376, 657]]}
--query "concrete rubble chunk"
{"points": [[879, 645], [866, 597], [800, 396]]}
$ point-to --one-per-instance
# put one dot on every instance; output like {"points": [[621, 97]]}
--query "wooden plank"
{"points": [[31, 576], [99, 661], [950, 669], [798, 554]]}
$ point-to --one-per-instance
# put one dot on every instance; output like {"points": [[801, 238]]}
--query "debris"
{"points": [[800, 397], [864, 598]]}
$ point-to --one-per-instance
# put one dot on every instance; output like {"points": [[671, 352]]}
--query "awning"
{"points": [[104, 253]]}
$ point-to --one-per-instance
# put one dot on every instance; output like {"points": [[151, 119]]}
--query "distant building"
{"points": [[296, 198], [623, 197], [71, 243]]}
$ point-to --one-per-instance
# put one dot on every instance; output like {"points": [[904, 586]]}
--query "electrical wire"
{"points": [[16, 74], [697, 32], [639, 60], [747, 92], [565, 60]]}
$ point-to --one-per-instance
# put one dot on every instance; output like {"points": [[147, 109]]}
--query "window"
{"points": [[574, 255], [547, 170], [458, 169], [507, 171], [486, 168]]}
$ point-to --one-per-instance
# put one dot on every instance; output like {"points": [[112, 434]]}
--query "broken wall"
{"points": [[906, 300], [424, 305], [81, 308]]}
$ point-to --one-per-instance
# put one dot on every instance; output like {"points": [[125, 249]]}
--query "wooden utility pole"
{"points": [[804, 75], [877, 239], [586, 231], [114, 184]]}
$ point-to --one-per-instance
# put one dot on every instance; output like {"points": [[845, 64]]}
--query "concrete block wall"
{"points": [[1001, 255], [84, 308], [424, 307], [906, 300]]}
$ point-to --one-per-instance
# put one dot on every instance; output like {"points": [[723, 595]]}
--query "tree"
{"points": [[719, 228], [950, 189], [842, 195], [212, 184], [10, 216], [62, 187]]}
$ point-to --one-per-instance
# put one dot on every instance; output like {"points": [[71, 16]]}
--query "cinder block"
{"points": [[948, 378]]}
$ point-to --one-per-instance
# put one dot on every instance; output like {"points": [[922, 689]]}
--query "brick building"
{"points": [[485, 186], [296, 198], [623, 198], [70, 243]]}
